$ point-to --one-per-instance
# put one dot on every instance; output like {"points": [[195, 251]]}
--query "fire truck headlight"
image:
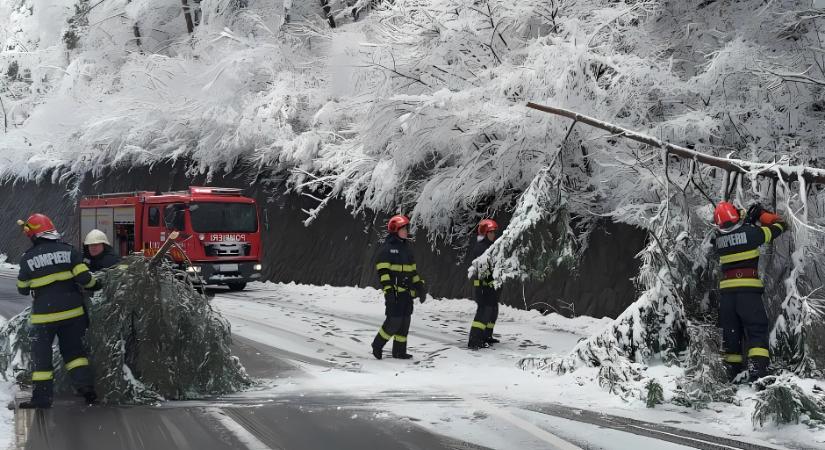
{"points": [[258, 267], [193, 269]]}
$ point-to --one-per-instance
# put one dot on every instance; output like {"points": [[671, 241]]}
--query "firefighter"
{"points": [[401, 284], [742, 315], [54, 272], [98, 252], [485, 293]]}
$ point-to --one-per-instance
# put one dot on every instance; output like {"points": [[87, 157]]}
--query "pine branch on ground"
{"points": [[705, 378], [784, 401]]}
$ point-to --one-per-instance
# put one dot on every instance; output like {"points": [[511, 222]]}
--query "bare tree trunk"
{"points": [[187, 15], [327, 13], [737, 166], [5, 117], [136, 30]]}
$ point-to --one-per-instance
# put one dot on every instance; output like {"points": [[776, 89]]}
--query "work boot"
{"points": [[402, 356], [763, 383], [377, 352], [35, 404], [758, 367], [733, 370], [89, 395], [492, 340], [475, 345]]}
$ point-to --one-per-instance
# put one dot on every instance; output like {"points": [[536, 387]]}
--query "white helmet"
{"points": [[96, 237]]}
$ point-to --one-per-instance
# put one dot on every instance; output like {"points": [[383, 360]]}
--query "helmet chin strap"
{"points": [[50, 235], [733, 228]]}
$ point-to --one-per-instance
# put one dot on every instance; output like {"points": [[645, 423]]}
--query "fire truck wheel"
{"points": [[236, 285]]}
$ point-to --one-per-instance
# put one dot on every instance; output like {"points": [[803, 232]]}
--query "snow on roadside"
{"points": [[337, 325], [7, 390], [6, 267]]}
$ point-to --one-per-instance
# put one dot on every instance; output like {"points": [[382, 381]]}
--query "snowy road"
{"points": [[320, 387]]}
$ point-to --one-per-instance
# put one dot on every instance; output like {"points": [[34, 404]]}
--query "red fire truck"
{"points": [[220, 232]]}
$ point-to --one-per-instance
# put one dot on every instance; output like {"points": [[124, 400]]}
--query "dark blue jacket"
{"points": [[53, 271]]}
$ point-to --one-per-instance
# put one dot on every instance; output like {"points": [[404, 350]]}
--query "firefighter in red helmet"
{"points": [[401, 284], [742, 314], [485, 292], [53, 272]]}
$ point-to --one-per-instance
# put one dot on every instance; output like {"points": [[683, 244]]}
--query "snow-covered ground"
{"points": [[7, 389], [330, 329]]}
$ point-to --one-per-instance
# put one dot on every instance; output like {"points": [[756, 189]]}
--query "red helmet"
{"points": [[486, 226], [726, 215], [397, 222], [36, 224]]}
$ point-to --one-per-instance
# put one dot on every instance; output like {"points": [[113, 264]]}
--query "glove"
{"points": [[754, 213], [97, 286], [422, 293], [769, 218]]}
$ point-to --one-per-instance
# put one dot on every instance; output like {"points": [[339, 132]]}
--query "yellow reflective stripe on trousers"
{"points": [[416, 279], [42, 376], [58, 316], [49, 279], [768, 234], [759, 351], [741, 256], [91, 283], [491, 325], [741, 282], [385, 277], [733, 357], [476, 283], [77, 362], [479, 325], [80, 268], [23, 284], [396, 267], [400, 338], [387, 288], [781, 227], [384, 334]]}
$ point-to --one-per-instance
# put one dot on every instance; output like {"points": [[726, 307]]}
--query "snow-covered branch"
{"points": [[771, 170]]}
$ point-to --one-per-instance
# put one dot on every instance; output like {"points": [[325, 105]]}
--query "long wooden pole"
{"points": [[788, 173]]}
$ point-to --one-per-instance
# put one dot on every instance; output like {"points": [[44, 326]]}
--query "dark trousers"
{"points": [[744, 321], [396, 328], [69, 334], [481, 330]]}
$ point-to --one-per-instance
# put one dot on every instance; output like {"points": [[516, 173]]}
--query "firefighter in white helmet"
{"points": [[98, 251]]}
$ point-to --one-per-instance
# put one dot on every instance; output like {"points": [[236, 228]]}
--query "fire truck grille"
{"points": [[228, 249]]}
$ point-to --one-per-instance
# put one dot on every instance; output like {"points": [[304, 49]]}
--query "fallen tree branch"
{"points": [[788, 173]]}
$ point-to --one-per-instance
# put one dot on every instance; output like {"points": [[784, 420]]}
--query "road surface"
{"points": [[223, 424], [316, 421]]}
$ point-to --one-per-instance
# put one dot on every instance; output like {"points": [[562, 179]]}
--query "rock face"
{"points": [[339, 249], [152, 337]]}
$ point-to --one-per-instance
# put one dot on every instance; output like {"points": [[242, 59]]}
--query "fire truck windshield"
{"points": [[215, 217]]}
